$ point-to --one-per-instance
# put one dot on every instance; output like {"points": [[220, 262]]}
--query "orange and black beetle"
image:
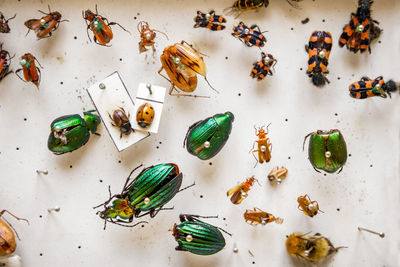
{"points": [[4, 28], [241, 6], [210, 21], [249, 36], [121, 120], [5, 61], [262, 68], [319, 49], [264, 146], [45, 25], [145, 115], [369, 88], [362, 29], [31, 72], [147, 36]]}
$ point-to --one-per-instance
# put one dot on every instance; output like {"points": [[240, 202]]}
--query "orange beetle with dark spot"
{"points": [[145, 115], [7, 237], [147, 36], [31, 72]]}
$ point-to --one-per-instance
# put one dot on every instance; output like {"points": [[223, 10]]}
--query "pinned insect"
{"points": [[241, 6], [277, 174], [121, 120], [147, 36], [252, 36], [198, 237], [45, 25], [4, 28], [99, 25], [264, 146], [257, 216], [31, 72], [319, 49], [152, 188], [367, 87], [145, 115], [7, 237], [310, 248], [262, 68], [361, 30], [5, 61], [239, 192], [209, 21], [182, 63], [310, 208]]}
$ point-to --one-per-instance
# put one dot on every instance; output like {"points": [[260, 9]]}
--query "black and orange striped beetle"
{"points": [[45, 25], [4, 28], [249, 36], [210, 21], [241, 6], [147, 36], [319, 49], [367, 87], [361, 30], [5, 61], [263, 67], [121, 120]]}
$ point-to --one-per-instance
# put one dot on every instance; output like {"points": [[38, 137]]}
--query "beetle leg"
{"points": [[255, 158], [305, 138], [126, 185], [17, 218], [340, 170], [116, 23], [253, 146], [16, 73], [192, 217], [187, 187], [318, 170], [125, 224], [161, 33]]}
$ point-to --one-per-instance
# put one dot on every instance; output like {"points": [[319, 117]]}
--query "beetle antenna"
{"points": [[205, 78], [305, 138], [162, 33], [187, 187]]}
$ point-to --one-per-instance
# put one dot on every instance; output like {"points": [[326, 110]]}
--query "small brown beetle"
{"points": [[7, 237], [121, 120]]}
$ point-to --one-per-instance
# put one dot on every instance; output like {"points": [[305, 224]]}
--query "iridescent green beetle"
{"points": [[154, 187], [198, 237], [327, 150], [70, 132], [206, 138]]}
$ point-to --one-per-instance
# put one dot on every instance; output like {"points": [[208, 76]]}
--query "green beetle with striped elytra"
{"points": [[327, 150]]}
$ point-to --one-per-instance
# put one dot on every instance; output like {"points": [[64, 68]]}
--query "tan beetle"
{"points": [[7, 237]]}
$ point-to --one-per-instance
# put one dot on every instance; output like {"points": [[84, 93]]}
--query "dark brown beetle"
{"points": [[4, 28], [45, 25], [121, 120]]}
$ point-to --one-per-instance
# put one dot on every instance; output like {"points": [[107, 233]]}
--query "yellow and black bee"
{"points": [[210, 21], [241, 6]]}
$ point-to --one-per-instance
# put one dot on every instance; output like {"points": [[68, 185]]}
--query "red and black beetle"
{"points": [[249, 36], [319, 49], [210, 21], [367, 87], [4, 28], [263, 67], [45, 25], [31, 72], [5, 61]]}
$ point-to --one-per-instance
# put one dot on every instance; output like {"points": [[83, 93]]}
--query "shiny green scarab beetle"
{"points": [[206, 138], [327, 150], [196, 236], [146, 194], [70, 132]]}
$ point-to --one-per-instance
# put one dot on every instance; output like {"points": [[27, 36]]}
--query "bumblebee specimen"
{"points": [[252, 36], [310, 208], [121, 120], [310, 248], [241, 6], [262, 68], [257, 216], [319, 49], [277, 174], [45, 25], [209, 21], [4, 28], [367, 87], [264, 146], [361, 30], [147, 36], [31, 72], [239, 192]]}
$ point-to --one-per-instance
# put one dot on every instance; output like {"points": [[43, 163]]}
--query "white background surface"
{"points": [[366, 191]]}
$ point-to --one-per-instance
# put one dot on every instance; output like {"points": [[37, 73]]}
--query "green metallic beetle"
{"points": [[327, 150], [206, 138], [198, 237], [154, 187], [70, 132]]}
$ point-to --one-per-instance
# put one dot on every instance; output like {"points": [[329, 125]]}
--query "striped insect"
{"points": [[29, 69], [240, 192], [310, 208], [147, 36], [100, 26], [5, 61], [209, 21], [319, 49], [257, 216], [264, 146], [361, 30], [252, 36], [241, 6], [45, 25], [4, 28], [367, 87], [263, 67]]}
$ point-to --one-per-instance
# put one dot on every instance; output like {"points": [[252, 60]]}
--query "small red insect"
{"points": [[147, 36], [262, 68], [257, 216], [31, 72], [45, 25], [5, 61], [239, 192], [4, 28], [264, 146]]}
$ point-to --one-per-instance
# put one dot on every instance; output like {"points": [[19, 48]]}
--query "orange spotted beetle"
{"points": [[31, 72], [310, 208], [145, 115], [262, 68], [369, 88], [257, 216], [361, 31], [249, 36], [264, 146], [147, 36], [239, 192], [319, 49], [241, 6], [210, 21], [5, 61], [45, 25], [4, 28]]}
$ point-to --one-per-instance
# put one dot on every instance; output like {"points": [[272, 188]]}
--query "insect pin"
{"points": [[29, 69], [4, 28], [209, 21], [310, 208], [45, 25], [240, 6], [319, 49], [264, 146], [147, 36], [257, 216], [252, 36], [240, 192], [263, 67], [367, 87], [7, 236], [381, 235], [277, 174], [361, 30], [100, 26], [5, 61], [121, 120]]}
